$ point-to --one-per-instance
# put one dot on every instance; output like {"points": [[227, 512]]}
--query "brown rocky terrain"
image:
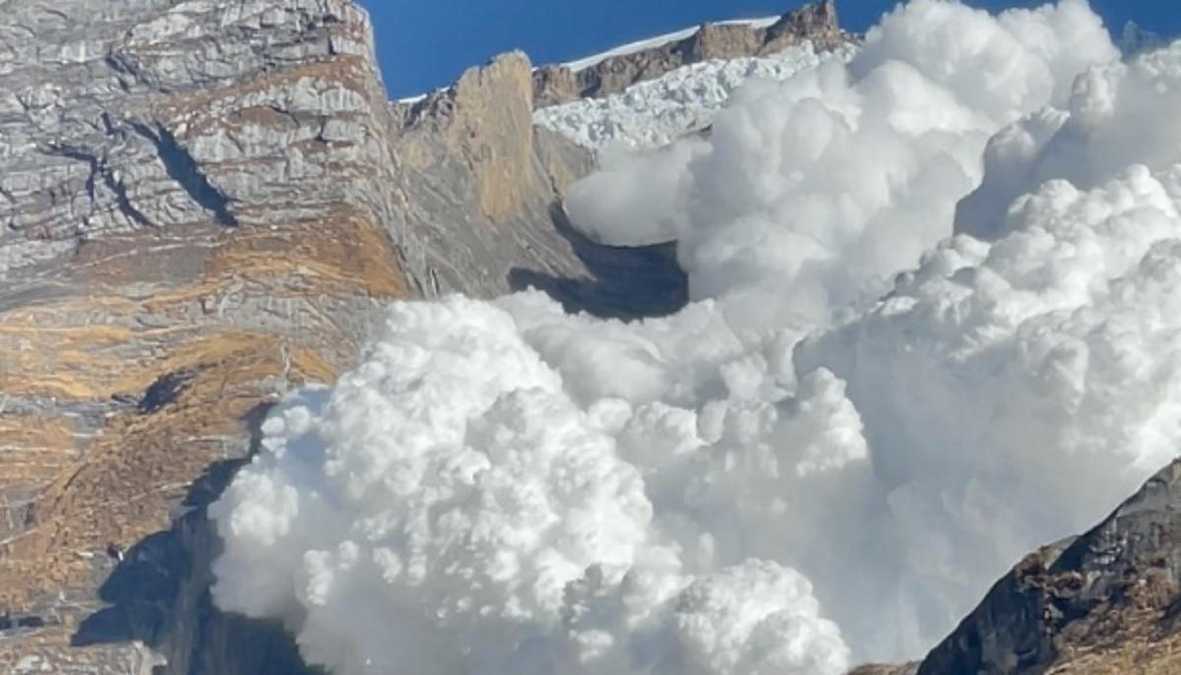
{"points": [[172, 259]]}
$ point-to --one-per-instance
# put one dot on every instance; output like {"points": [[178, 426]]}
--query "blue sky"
{"points": [[425, 44]]}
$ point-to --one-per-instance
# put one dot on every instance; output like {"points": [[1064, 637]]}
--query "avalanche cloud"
{"points": [[935, 324]]}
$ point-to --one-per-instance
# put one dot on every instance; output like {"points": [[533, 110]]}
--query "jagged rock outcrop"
{"points": [[203, 205], [817, 23], [474, 180], [1104, 602], [194, 219]]}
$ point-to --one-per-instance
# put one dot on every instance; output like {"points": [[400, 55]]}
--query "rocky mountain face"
{"points": [[194, 219], [817, 23]]}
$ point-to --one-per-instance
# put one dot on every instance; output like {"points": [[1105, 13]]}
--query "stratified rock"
{"points": [[817, 23], [1105, 602], [194, 218]]}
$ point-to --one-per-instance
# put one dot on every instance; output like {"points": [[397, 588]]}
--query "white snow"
{"points": [[656, 112]]}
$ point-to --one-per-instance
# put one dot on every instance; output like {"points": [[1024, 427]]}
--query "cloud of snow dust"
{"points": [[820, 188], [935, 325], [656, 112]]}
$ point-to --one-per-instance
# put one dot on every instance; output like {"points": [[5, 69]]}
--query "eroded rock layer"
{"points": [[201, 206]]}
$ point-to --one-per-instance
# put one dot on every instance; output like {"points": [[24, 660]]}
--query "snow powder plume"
{"points": [[933, 328], [820, 188]]}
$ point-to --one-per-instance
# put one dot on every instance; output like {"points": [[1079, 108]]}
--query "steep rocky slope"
{"points": [[202, 204], [172, 257], [477, 188], [1104, 602]]}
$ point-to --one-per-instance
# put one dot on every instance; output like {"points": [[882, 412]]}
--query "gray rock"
{"points": [[127, 116], [194, 216]]}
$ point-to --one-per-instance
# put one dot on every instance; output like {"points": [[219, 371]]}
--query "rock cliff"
{"points": [[478, 191], [1104, 602], [202, 204]]}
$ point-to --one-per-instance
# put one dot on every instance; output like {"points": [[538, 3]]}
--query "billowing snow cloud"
{"points": [[810, 194], [935, 325], [450, 508]]}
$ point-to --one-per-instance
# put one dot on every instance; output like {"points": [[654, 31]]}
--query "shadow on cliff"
{"points": [[158, 594], [625, 283]]}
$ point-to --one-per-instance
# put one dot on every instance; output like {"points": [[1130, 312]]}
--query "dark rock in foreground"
{"points": [[1105, 602]]}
